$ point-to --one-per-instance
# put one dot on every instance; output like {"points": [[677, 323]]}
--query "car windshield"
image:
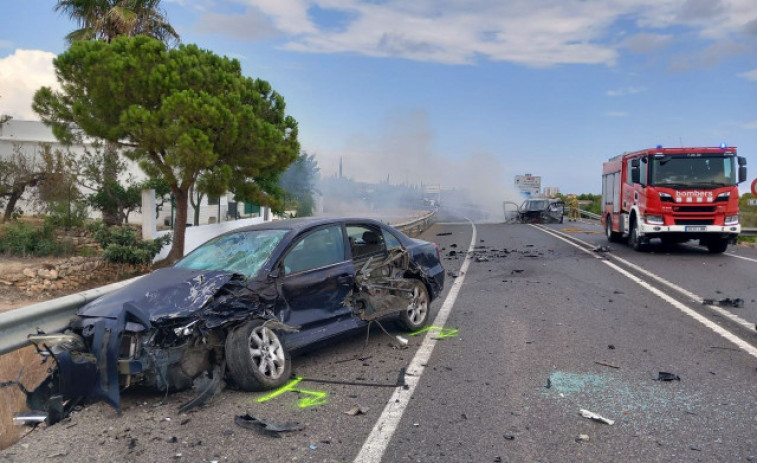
{"points": [[535, 205], [242, 252], [692, 171]]}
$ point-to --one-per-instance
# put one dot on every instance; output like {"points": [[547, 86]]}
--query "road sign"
{"points": [[753, 201], [754, 187]]}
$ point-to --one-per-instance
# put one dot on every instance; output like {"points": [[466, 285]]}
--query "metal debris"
{"points": [[596, 417], [664, 376], [265, 428]]}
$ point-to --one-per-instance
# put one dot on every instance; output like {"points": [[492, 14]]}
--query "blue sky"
{"points": [[463, 93]]}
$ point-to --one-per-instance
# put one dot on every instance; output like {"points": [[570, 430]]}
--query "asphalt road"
{"points": [[544, 328]]}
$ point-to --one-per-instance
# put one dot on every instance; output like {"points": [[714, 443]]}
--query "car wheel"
{"points": [[415, 315], [256, 357]]}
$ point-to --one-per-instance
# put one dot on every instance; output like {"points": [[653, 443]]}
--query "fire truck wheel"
{"points": [[612, 236], [634, 240], [717, 245]]}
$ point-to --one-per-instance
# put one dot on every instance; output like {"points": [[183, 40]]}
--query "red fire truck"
{"points": [[675, 194]]}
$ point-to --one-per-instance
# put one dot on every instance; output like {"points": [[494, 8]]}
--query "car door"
{"points": [[315, 278]]}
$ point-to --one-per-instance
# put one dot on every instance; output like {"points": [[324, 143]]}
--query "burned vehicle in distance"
{"points": [[541, 210], [236, 307]]}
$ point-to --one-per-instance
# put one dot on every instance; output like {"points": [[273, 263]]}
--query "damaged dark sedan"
{"points": [[237, 306], [541, 210]]}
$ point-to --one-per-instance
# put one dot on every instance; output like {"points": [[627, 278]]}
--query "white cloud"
{"points": [[616, 114], [21, 74], [750, 75], [626, 91], [530, 32]]}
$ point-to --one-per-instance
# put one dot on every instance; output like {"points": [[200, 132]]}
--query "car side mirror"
{"points": [[742, 174], [742, 161]]}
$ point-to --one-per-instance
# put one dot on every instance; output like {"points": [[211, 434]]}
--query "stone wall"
{"points": [[70, 273]]}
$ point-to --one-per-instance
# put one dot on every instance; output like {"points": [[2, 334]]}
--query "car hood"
{"points": [[166, 293]]}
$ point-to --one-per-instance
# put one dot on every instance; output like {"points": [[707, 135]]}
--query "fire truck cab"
{"points": [[674, 194]]}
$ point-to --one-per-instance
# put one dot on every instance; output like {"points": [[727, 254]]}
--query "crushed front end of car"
{"points": [[163, 332]]}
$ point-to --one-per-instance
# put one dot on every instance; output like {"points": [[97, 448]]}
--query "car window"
{"points": [[365, 241], [316, 249], [391, 240], [242, 252]]}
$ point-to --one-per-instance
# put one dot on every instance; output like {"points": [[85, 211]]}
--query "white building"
{"points": [[27, 136]]}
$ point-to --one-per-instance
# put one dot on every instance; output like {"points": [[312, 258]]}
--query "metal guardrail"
{"points": [[590, 215], [49, 316], [54, 315], [416, 226], [749, 231]]}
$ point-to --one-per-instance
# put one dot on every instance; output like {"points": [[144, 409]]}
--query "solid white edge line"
{"points": [[748, 348], [731, 316], [378, 440]]}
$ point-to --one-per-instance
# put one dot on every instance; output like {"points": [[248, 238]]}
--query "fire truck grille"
{"points": [[694, 221], [685, 209]]}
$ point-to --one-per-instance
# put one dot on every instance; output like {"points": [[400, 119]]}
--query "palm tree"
{"points": [[107, 19]]}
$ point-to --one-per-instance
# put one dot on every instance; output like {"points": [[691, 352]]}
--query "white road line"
{"points": [[751, 350], [731, 316], [741, 257], [375, 445]]}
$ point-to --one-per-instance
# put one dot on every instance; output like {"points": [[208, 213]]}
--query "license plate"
{"points": [[696, 228]]}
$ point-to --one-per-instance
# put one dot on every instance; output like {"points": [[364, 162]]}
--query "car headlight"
{"points": [[731, 219], [655, 219]]}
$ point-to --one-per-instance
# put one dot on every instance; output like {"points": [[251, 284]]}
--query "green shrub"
{"points": [[24, 240], [121, 245], [66, 214]]}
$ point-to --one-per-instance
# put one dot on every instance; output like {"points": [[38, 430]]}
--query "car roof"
{"points": [[304, 223]]}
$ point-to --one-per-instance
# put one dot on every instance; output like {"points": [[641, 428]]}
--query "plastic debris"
{"points": [[665, 376], [207, 386], [313, 446], [357, 410], [509, 437], [549, 384], [582, 438], [595, 417], [401, 340], [605, 364], [602, 249], [265, 428], [444, 234]]}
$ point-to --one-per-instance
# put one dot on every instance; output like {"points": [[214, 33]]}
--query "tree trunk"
{"points": [[11, 205], [111, 213], [179, 227]]}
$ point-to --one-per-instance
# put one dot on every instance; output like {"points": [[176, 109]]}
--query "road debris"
{"points": [[596, 417], [444, 234], [600, 249], [605, 364], [207, 386], [357, 410], [549, 384], [265, 428], [582, 438], [665, 376], [453, 273]]}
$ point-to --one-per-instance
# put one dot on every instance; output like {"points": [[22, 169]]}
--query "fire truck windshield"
{"points": [[692, 170]]}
